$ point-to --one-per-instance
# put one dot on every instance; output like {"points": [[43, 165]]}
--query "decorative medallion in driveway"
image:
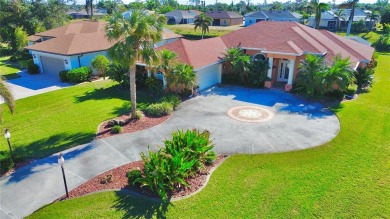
{"points": [[250, 114]]}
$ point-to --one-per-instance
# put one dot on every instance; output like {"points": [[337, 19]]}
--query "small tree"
{"points": [[340, 74], [240, 62], [100, 63], [6, 96], [183, 76], [21, 39]]}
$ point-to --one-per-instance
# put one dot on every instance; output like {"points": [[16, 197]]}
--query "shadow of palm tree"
{"points": [[103, 93], [136, 206]]}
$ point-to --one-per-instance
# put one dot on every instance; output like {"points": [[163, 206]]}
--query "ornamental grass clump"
{"points": [[182, 157]]}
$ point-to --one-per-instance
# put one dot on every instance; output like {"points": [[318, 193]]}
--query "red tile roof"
{"points": [[79, 37], [296, 39], [198, 53]]}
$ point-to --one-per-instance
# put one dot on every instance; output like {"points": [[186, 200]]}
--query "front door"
{"points": [[283, 70]]}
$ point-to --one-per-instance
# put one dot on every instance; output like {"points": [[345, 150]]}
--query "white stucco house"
{"points": [[74, 45]]}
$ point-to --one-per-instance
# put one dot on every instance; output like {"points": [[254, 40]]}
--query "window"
{"points": [[224, 21], [250, 21]]}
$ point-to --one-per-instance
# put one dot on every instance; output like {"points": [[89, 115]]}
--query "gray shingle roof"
{"points": [[222, 14]]}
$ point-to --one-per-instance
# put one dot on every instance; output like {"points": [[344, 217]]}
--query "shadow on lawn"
{"points": [[103, 93], [43, 148], [139, 207]]}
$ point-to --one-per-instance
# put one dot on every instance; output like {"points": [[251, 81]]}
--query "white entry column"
{"points": [[270, 64], [288, 86]]}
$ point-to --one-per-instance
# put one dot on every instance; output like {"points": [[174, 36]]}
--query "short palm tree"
{"points": [[167, 62], [373, 16], [351, 5], [135, 38], [203, 22], [310, 76], [184, 76], [340, 74], [339, 14], [318, 8], [7, 97]]}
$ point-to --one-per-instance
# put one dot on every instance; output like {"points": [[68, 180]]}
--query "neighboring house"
{"points": [[181, 17], [83, 14], [225, 18], [127, 14], [271, 15], [74, 45], [330, 21], [283, 44]]}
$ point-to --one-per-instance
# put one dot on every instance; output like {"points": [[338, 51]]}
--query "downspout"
{"points": [[78, 57]]}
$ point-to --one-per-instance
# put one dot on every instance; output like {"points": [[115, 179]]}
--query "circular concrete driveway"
{"points": [[296, 124]]}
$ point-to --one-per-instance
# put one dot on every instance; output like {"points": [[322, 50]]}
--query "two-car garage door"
{"points": [[52, 66]]}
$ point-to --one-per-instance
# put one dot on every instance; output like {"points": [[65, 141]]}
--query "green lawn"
{"points": [[187, 30], [8, 71], [345, 178], [370, 36], [54, 121]]}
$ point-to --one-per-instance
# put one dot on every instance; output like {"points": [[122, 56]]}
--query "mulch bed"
{"points": [[119, 181], [131, 125]]}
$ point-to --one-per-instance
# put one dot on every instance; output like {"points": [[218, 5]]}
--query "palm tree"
{"points": [[184, 75], [339, 14], [318, 8], [167, 62], [203, 22], [135, 38], [310, 76], [7, 97], [340, 74], [373, 16], [351, 4]]}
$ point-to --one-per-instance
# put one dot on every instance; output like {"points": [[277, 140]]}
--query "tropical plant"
{"points": [[382, 44], [310, 76], [119, 73], [363, 77], [203, 22], [174, 99], [166, 63], [182, 77], [258, 72], [373, 16], [351, 4], [135, 38], [339, 75], [239, 61], [116, 129], [318, 8], [340, 14], [7, 97], [159, 109], [168, 169], [100, 63]]}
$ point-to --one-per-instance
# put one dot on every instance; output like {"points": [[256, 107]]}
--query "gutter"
{"points": [[78, 57]]}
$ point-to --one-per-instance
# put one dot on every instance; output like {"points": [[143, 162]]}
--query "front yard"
{"points": [[345, 178], [8, 71], [54, 121]]}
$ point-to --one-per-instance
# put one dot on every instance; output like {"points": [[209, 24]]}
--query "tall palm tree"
{"points": [[318, 8], [351, 4], [135, 38], [203, 22], [7, 97], [339, 14]]}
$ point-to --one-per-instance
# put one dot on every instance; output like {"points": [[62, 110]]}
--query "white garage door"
{"points": [[52, 66], [209, 76]]}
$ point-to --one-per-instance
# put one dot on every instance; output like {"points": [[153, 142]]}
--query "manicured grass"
{"points": [[51, 122], [345, 178], [187, 30], [8, 71], [370, 36]]}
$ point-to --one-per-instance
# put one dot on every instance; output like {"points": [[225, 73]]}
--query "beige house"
{"points": [[225, 18]]}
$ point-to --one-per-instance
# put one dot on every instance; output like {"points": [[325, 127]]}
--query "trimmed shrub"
{"points": [[63, 75], [6, 162], [13, 59], [159, 109], [33, 68], [132, 176], [154, 86], [116, 129], [138, 115], [363, 77], [382, 44], [173, 99], [25, 63], [79, 74]]}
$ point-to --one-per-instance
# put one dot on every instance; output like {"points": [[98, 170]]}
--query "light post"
{"points": [[7, 136], [61, 162]]}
